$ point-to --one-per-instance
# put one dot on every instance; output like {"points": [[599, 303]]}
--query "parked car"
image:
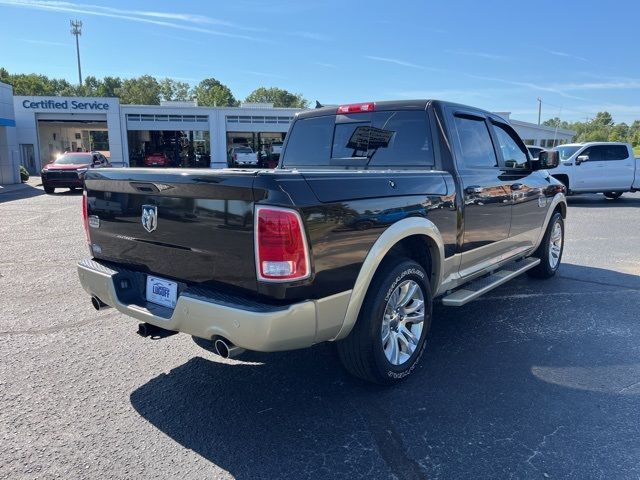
{"points": [[275, 149], [242, 156], [157, 159], [534, 151], [69, 169], [365, 223], [598, 167]]}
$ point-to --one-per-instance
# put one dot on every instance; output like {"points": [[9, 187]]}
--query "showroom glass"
{"points": [[182, 148], [566, 152], [475, 142], [71, 159], [512, 154]]}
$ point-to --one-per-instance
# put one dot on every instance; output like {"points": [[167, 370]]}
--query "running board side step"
{"points": [[480, 286]]}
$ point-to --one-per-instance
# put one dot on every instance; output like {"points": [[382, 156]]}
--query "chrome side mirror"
{"points": [[582, 159]]}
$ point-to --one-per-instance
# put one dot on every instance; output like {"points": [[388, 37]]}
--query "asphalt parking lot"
{"points": [[538, 379]]}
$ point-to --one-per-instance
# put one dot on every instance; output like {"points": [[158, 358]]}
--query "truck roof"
{"points": [[582, 144], [418, 104]]}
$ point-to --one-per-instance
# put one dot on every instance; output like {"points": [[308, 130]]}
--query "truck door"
{"points": [[609, 167], [527, 187], [487, 197]]}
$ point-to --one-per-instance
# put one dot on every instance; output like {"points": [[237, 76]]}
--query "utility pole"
{"points": [[539, 109], [76, 30]]}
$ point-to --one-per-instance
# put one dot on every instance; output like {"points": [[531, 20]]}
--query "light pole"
{"points": [[539, 107], [76, 30]]}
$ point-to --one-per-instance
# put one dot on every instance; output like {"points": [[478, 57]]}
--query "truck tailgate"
{"points": [[202, 233]]}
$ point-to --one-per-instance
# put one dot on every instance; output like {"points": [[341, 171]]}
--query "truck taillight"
{"points": [[85, 215], [356, 107], [281, 245]]}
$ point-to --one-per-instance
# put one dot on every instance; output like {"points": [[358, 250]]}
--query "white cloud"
{"points": [[325, 65], [262, 74], [490, 56], [566, 55], [148, 17], [402, 63], [45, 42]]}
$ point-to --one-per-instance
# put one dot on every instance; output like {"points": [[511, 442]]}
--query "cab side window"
{"points": [[616, 152], [595, 153], [475, 143], [512, 153]]}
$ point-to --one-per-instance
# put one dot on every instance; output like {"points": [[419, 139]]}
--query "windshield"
{"points": [[566, 152], [243, 150], [66, 159]]}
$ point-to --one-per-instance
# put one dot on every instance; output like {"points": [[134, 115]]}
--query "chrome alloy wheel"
{"points": [[555, 245], [402, 322]]}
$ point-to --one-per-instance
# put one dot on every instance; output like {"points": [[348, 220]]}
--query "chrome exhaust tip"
{"points": [[98, 304], [226, 349]]}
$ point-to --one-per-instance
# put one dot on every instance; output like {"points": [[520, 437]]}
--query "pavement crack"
{"points": [[390, 444]]}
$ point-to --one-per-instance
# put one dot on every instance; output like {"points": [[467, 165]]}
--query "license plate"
{"points": [[162, 292]]}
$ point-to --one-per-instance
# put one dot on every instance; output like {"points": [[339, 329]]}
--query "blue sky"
{"points": [[580, 57]]}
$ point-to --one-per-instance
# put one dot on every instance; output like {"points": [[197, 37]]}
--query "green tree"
{"points": [[277, 96], [144, 90], [210, 92], [110, 87], [65, 89], [603, 118], [31, 84], [171, 89], [90, 86], [619, 133]]}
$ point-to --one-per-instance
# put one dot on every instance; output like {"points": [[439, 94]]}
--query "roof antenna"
{"points": [[318, 104]]}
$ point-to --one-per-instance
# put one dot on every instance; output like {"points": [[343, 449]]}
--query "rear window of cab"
{"points": [[377, 139]]}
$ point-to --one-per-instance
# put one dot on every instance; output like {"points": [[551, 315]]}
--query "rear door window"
{"points": [[616, 152]]}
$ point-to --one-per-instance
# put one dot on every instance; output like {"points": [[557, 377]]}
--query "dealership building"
{"points": [[34, 130]]}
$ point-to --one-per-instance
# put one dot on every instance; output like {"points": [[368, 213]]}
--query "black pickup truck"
{"points": [[374, 211]]}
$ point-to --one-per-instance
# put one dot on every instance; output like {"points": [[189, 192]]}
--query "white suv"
{"points": [[598, 167]]}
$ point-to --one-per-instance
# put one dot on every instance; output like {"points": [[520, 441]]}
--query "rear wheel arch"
{"points": [[396, 240], [422, 249]]}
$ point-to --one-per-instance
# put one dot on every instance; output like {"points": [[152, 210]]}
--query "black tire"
{"points": [[362, 353], [48, 189], [612, 195], [545, 269]]}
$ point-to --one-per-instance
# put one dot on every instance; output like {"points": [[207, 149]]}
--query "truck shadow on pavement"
{"points": [[599, 201], [509, 385]]}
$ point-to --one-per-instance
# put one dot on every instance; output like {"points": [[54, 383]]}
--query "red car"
{"points": [[67, 171], [156, 160]]}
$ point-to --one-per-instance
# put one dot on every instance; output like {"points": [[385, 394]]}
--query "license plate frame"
{"points": [[161, 291]]}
